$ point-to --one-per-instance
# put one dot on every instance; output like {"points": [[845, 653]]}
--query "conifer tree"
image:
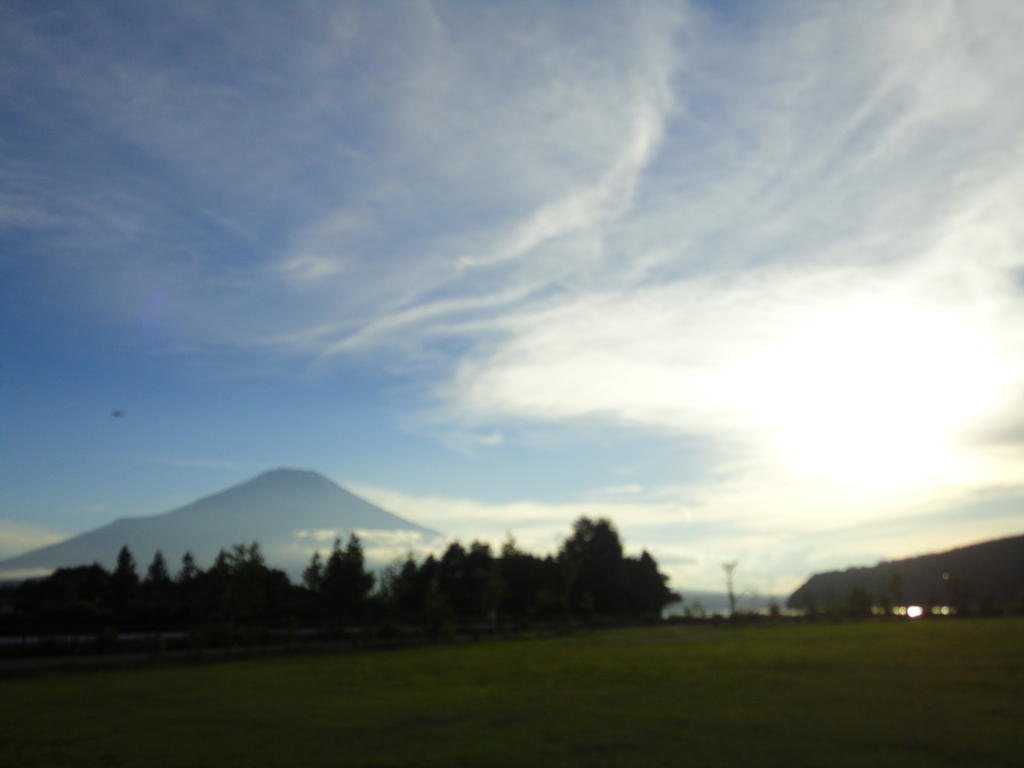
{"points": [[189, 571], [313, 576], [124, 584], [157, 574]]}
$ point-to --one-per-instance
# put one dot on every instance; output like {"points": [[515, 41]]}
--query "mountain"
{"points": [[989, 575], [289, 512]]}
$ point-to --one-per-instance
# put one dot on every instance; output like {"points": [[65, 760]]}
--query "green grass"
{"points": [[908, 694]]}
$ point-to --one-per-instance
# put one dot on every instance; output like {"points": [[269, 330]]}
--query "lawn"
{"points": [[925, 693]]}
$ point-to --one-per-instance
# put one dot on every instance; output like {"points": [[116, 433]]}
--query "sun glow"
{"points": [[876, 396]]}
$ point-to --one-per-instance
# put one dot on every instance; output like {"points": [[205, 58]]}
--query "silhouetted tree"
{"points": [[957, 592], [210, 600], [531, 585], [438, 615], [384, 604], [423, 585], [189, 571], [453, 581], [346, 582], [885, 603], [356, 579], [313, 576], [156, 574], [124, 584], [648, 592], [896, 588], [157, 590], [239, 592], [187, 590], [397, 596], [331, 582], [79, 595], [858, 604], [490, 584], [594, 548], [245, 596]]}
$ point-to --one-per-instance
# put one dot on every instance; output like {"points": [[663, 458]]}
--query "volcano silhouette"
{"points": [[290, 512]]}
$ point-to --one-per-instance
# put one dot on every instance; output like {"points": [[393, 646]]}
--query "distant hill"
{"points": [[986, 575], [289, 512]]}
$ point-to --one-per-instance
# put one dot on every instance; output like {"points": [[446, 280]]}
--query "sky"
{"points": [[747, 278]]}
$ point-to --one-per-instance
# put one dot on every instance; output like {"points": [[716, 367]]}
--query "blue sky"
{"points": [[747, 278]]}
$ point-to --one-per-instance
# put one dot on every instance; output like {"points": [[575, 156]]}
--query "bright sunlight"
{"points": [[876, 395]]}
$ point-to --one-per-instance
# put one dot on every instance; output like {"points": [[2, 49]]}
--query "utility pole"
{"points": [[729, 567]]}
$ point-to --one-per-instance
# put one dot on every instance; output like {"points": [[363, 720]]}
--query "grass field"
{"points": [[927, 693]]}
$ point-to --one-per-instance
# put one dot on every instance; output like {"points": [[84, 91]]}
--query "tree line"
{"points": [[589, 578]]}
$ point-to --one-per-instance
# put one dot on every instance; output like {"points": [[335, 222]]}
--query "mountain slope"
{"points": [[986, 575], [289, 512]]}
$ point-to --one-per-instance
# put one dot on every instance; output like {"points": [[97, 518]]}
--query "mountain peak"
{"points": [[290, 475], [275, 487], [290, 512], [289, 472]]}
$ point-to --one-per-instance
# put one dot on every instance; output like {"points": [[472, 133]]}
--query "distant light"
{"points": [[944, 610], [945, 576], [913, 611]]}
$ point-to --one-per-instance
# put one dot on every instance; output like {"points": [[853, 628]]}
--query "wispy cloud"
{"points": [[498, 134], [823, 278], [793, 234], [512, 161]]}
